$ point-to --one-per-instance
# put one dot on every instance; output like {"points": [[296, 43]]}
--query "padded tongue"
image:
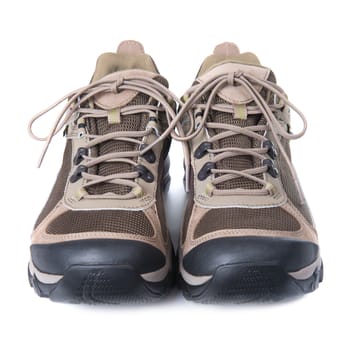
{"points": [[130, 61], [227, 52], [130, 55], [227, 58]]}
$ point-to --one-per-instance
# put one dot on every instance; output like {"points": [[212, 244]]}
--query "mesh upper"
{"points": [[246, 218], [290, 186], [120, 221], [241, 162], [100, 126], [58, 188]]}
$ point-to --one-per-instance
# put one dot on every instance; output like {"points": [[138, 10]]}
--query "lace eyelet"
{"points": [[144, 173], [205, 171], [202, 150], [65, 131], [272, 152], [78, 173], [78, 158], [271, 169], [153, 119], [149, 155]]}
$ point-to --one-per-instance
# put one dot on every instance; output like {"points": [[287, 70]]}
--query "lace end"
{"points": [[43, 153]]}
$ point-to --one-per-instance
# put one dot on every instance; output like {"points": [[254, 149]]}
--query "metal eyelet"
{"points": [[144, 173], [271, 150], [149, 155], [205, 171], [271, 169], [202, 150], [78, 158], [78, 173], [153, 119], [65, 131]]}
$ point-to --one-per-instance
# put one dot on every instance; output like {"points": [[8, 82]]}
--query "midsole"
{"points": [[48, 278], [307, 271], [302, 274], [43, 277], [193, 280]]}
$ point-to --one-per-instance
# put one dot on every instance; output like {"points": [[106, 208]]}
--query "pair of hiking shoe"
{"points": [[247, 232]]}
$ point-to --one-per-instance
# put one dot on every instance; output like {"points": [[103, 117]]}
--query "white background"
{"points": [[48, 48]]}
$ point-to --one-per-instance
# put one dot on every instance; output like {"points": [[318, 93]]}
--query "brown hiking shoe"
{"points": [[248, 233], [102, 236]]}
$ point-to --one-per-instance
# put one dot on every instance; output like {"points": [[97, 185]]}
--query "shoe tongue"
{"points": [[129, 61], [240, 141], [129, 55], [228, 59]]}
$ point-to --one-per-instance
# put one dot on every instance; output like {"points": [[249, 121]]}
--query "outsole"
{"points": [[102, 284], [244, 283]]}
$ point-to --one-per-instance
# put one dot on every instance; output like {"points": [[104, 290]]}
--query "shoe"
{"points": [[248, 233], [102, 235]]}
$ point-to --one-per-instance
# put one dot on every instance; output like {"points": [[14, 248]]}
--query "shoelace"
{"points": [[192, 112], [197, 118], [73, 112]]}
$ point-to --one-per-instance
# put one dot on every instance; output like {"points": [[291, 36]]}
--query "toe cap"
{"points": [[56, 258], [289, 254]]}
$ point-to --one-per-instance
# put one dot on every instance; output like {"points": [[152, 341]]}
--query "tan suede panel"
{"points": [[305, 233], [211, 61]]}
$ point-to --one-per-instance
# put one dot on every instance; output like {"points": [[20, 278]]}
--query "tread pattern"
{"points": [[107, 284], [243, 283]]}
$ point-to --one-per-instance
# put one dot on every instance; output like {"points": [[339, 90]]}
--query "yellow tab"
{"points": [[240, 111], [137, 191], [271, 188], [209, 188], [80, 194], [113, 116], [184, 98]]}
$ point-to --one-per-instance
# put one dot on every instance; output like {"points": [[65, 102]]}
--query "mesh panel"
{"points": [[58, 188], [120, 221], [290, 187], [189, 207], [241, 141], [244, 218], [100, 126], [162, 173]]}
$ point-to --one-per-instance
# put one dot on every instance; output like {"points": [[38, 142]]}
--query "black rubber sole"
{"points": [[243, 283], [108, 284]]}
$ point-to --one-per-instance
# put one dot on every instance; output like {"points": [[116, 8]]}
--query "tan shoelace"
{"points": [[192, 112], [73, 111], [198, 115]]}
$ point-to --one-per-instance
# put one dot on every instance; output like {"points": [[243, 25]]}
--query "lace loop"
{"points": [[182, 126], [247, 81], [79, 106]]}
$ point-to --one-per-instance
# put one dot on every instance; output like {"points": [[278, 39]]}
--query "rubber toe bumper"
{"points": [[242, 269], [99, 271]]}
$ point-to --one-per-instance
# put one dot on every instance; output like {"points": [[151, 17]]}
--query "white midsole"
{"points": [[302, 274], [307, 271], [193, 280], [48, 278]]}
